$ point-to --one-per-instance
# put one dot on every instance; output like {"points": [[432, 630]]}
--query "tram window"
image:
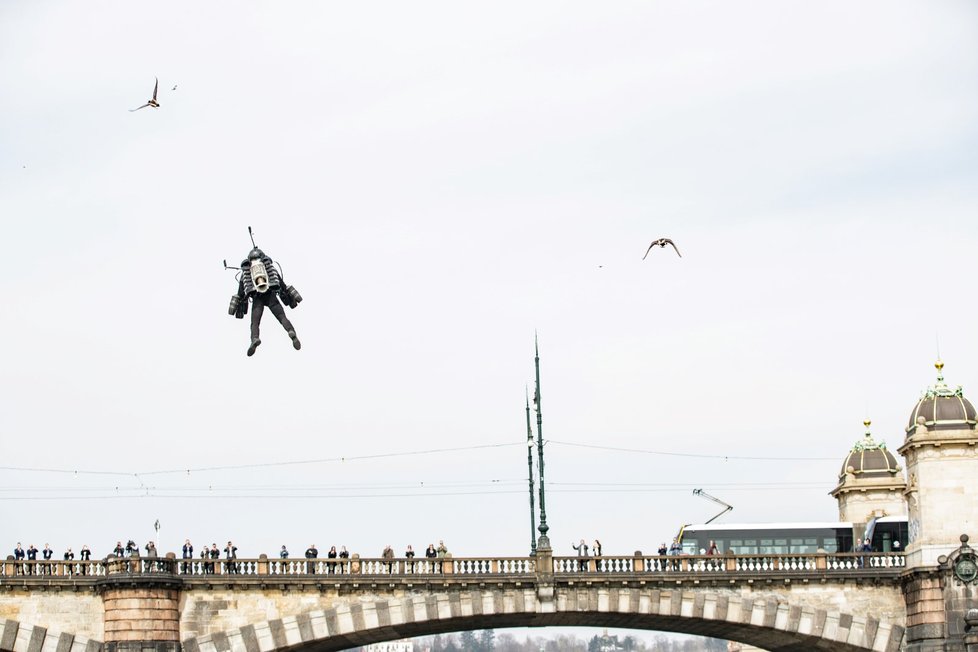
{"points": [[767, 547], [750, 546], [887, 542], [781, 546], [830, 545], [737, 546], [804, 545]]}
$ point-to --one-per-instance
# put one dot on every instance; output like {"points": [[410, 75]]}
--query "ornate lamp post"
{"points": [[544, 541], [529, 466]]}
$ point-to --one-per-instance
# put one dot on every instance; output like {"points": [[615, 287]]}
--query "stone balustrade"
{"points": [[846, 564]]}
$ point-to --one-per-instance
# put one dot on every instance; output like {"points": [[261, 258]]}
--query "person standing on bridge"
{"points": [[151, 557], [675, 549], [409, 555], [85, 555], [344, 554], [231, 553], [331, 555], [311, 553], [187, 553], [31, 556], [18, 556], [712, 551], [865, 549], [47, 553], [581, 549]]}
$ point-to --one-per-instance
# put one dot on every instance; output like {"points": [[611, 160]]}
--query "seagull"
{"points": [[662, 242], [153, 103], [174, 87]]}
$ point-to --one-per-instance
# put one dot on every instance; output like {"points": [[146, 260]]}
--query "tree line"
{"points": [[487, 640]]}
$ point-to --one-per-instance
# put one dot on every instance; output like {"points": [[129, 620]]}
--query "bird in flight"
{"points": [[662, 242], [153, 103], [174, 87]]}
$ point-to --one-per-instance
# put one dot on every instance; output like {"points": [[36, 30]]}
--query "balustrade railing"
{"points": [[52, 568], [732, 564], [620, 566]]}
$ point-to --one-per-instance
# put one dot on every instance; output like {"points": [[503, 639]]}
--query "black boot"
{"points": [[296, 344], [254, 345]]}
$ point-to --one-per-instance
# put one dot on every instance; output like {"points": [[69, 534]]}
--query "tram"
{"points": [[886, 534]]}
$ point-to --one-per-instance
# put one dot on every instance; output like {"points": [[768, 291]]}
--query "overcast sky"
{"points": [[440, 180]]}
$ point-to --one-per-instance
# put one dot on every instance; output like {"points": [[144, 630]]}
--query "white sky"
{"points": [[439, 180]]}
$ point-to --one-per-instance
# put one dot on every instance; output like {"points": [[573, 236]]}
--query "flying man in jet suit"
{"points": [[262, 282]]}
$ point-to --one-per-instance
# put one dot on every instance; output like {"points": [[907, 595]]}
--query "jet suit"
{"points": [[262, 282]]}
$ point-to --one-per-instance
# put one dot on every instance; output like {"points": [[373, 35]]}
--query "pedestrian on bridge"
{"points": [[85, 555], [31, 556], [19, 555], [311, 553], [409, 555], [675, 549], [331, 565], [581, 549], [231, 552], [188, 553], [151, 556]]}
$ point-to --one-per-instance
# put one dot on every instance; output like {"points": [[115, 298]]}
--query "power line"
{"points": [[695, 455], [219, 494], [259, 465]]}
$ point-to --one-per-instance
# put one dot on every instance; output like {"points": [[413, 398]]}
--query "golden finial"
{"points": [[867, 422], [940, 365]]}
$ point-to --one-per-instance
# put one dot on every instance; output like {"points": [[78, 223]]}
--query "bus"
{"points": [[887, 534]]}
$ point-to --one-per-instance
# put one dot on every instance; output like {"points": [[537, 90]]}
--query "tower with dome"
{"points": [[871, 485], [940, 452]]}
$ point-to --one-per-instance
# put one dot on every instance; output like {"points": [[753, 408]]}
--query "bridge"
{"points": [[922, 600], [846, 602]]}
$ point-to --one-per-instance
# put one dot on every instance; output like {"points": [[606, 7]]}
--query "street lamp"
{"points": [[544, 542], [529, 466]]}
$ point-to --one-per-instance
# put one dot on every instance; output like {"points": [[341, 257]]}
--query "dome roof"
{"points": [[869, 459], [943, 408]]}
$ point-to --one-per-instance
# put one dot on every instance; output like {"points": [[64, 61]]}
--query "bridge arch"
{"points": [[16, 636], [767, 620]]}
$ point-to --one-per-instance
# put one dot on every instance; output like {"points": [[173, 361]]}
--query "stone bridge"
{"points": [[797, 602]]}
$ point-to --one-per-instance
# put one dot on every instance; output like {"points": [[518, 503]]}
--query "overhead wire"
{"points": [[351, 458]]}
